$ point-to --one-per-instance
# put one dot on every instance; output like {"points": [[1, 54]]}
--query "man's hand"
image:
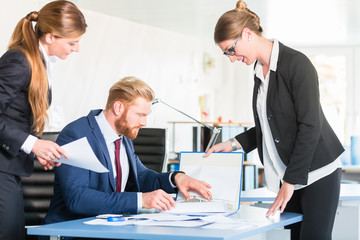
{"points": [[47, 151], [185, 183], [282, 198], [158, 199]]}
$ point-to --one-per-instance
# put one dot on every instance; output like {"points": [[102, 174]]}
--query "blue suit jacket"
{"points": [[81, 193]]}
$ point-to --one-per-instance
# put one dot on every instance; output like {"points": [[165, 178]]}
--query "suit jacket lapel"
{"points": [[272, 82], [255, 93], [102, 145]]}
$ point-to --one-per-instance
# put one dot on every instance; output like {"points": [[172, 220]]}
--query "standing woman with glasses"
{"points": [[25, 95], [296, 144]]}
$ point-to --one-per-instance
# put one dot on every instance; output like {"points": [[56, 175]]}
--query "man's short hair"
{"points": [[127, 90]]}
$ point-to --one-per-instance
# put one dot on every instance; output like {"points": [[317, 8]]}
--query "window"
{"points": [[336, 78]]}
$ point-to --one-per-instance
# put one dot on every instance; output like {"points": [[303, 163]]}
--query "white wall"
{"points": [[172, 64]]}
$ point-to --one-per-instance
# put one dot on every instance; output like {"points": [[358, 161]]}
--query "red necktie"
{"points": [[118, 165]]}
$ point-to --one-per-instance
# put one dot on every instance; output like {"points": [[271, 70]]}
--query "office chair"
{"points": [[150, 147], [38, 189]]}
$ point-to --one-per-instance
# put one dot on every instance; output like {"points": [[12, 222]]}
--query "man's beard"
{"points": [[123, 128]]}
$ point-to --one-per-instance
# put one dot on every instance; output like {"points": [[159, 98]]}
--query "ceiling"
{"points": [[306, 22], [190, 17]]}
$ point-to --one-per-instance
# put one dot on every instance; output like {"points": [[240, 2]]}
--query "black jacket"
{"points": [[15, 113], [303, 137]]}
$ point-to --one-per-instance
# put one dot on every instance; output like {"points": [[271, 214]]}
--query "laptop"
{"points": [[223, 171]]}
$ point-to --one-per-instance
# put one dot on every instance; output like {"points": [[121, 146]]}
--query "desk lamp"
{"points": [[215, 131]]}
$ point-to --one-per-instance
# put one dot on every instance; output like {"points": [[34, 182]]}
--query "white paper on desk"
{"points": [[218, 221], [81, 155], [193, 223], [223, 171], [201, 208], [156, 219], [99, 221], [223, 222], [164, 217], [177, 223]]}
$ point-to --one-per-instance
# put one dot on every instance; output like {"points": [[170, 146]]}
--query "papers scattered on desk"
{"points": [[155, 219], [218, 221], [82, 156]]}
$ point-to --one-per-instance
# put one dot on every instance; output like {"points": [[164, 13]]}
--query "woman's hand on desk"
{"points": [[47, 151], [284, 195], [185, 183]]}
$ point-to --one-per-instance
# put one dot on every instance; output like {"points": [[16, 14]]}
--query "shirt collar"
{"points": [[48, 60], [274, 55], [109, 134], [273, 59]]}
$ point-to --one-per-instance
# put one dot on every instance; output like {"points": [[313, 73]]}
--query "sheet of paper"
{"points": [[148, 222], [194, 208], [163, 216], [193, 223], [99, 221], [154, 219], [223, 222], [82, 156], [223, 171]]}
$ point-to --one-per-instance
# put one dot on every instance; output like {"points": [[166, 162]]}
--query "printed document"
{"points": [[81, 155]]}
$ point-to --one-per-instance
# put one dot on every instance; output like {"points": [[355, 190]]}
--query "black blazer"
{"points": [[15, 113], [303, 137]]}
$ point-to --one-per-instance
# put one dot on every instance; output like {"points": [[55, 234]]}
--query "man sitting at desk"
{"points": [[128, 186]]}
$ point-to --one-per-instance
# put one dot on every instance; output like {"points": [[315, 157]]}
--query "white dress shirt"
{"points": [[274, 168], [110, 137]]}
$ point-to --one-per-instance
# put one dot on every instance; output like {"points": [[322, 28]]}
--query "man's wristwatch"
{"points": [[173, 176]]}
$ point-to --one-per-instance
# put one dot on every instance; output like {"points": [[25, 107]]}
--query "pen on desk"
{"points": [[116, 219]]}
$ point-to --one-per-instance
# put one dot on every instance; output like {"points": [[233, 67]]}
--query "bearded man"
{"points": [[129, 186]]}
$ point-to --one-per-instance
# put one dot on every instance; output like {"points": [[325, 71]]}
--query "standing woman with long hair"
{"points": [[25, 95], [297, 146]]}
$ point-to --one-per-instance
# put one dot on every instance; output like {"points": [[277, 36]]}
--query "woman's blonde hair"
{"points": [[61, 19], [128, 90], [232, 23]]}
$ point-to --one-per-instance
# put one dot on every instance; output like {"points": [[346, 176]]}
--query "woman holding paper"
{"points": [[25, 95], [296, 144]]}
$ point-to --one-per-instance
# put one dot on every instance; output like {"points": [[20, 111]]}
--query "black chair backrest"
{"points": [[38, 189], [150, 147]]}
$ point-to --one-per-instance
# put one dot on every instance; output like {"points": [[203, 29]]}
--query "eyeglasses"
{"points": [[231, 51]]}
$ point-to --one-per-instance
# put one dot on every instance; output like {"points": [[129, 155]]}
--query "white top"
{"points": [[49, 63], [274, 168]]}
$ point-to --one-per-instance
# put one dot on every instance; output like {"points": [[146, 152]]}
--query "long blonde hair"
{"points": [[231, 23], [60, 18]]}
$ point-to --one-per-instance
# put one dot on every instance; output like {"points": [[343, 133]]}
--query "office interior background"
{"points": [[169, 44]]}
